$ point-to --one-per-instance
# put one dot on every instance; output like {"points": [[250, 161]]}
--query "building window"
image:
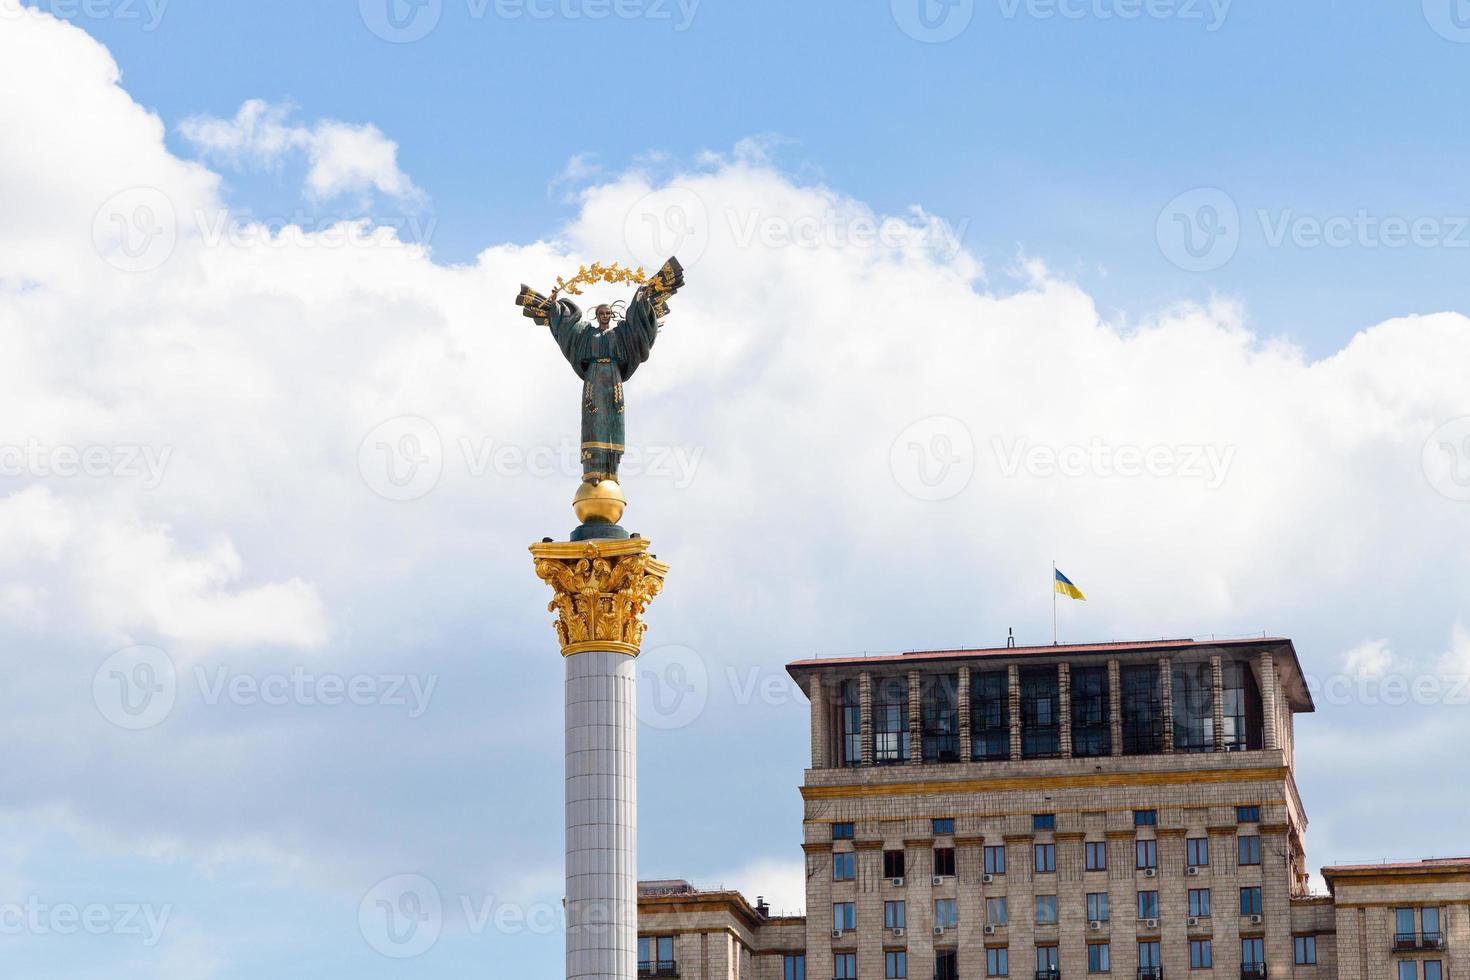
{"points": [[895, 915], [1197, 852], [844, 916], [1046, 910], [944, 862], [842, 831], [947, 965], [1250, 850], [1098, 958], [1403, 927], [1408, 970], [1199, 903], [893, 864], [943, 826], [1433, 970], [890, 720], [656, 956], [1045, 858], [997, 962], [1149, 964], [1306, 950], [946, 913], [1250, 900], [1046, 962], [1430, 925], [995, 859], [939, 717], [1201, 956], [844, 866], [995, 911], [1043, 821], [1194, 708], [896, 964], [1092, 733], [1244, 721], [1247, 814], [1148, 905], [795, 967], [1147, 854], [844, 966], [1097, 906], [1145, 818], [1041, 727], [852, 724], [1252, 951], [990, 721], [1143, 710], [1095, 855]]}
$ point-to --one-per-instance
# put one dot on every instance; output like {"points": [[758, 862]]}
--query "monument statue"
{"points": [[604, 352]]}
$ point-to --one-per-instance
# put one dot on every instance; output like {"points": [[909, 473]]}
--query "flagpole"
{"points": [[1053, 602]]}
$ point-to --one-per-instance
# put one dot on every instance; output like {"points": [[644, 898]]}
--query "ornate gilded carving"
{"points": [[602, 588]]}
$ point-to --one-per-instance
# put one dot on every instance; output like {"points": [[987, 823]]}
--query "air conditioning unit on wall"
{"points": [[1192, 871], [937, 881], [986, 879], [1150, 872], [1095, 925], [990, 930], [897, 882]]}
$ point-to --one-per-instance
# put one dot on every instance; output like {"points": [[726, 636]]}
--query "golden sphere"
{"points": [[599, 502]]}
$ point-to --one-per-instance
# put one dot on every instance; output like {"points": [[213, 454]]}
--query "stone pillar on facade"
{"points": [[916, 731], [1217, 701], [821, 740], [1115, 706], [1064, 708], [1166, 699], [601, 590], [1271, 737], [963, 703], [865, 712], [1014, 699]]}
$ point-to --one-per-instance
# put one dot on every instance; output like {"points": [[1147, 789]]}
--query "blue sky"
{"points": [[1229, 239], [1059, 130]]}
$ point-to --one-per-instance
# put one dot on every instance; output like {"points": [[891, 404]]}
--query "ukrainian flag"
{"points": [[1065, 587]]}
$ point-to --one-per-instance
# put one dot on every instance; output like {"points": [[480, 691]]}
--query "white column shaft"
{"points": [[602, 817]]}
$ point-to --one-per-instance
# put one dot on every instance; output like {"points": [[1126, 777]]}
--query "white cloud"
{"points": [[781, 883], [796, 369], [1371, 658], [343, 158]]}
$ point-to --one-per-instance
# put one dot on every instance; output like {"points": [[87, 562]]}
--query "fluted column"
{"points": [[1115, 706], [916, 730], [963, 703], [1217, 701], [1014, 697], [601, 590], [1268, 701], [820, 737], [865, 713], [1166, 699], [1064, 707]]}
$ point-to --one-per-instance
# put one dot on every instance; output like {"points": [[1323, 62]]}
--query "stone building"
{"points": [[1051, 812]]}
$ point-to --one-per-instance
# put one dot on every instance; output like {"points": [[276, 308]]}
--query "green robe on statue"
{"points": [[604, 359]]}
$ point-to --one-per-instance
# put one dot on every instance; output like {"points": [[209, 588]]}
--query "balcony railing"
{"points": [[1418, 940], [658, 968], [1052, 974], [1150, 973], [1253, 971]]}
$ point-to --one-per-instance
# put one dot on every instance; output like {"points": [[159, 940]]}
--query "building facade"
{"points": [[1041, 813]]}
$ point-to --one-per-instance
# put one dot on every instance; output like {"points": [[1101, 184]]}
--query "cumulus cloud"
{"points": [[890, 451], [343, 158]]}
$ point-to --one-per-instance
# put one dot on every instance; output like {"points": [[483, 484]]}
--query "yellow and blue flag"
{"points": [[1065, 587]]}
